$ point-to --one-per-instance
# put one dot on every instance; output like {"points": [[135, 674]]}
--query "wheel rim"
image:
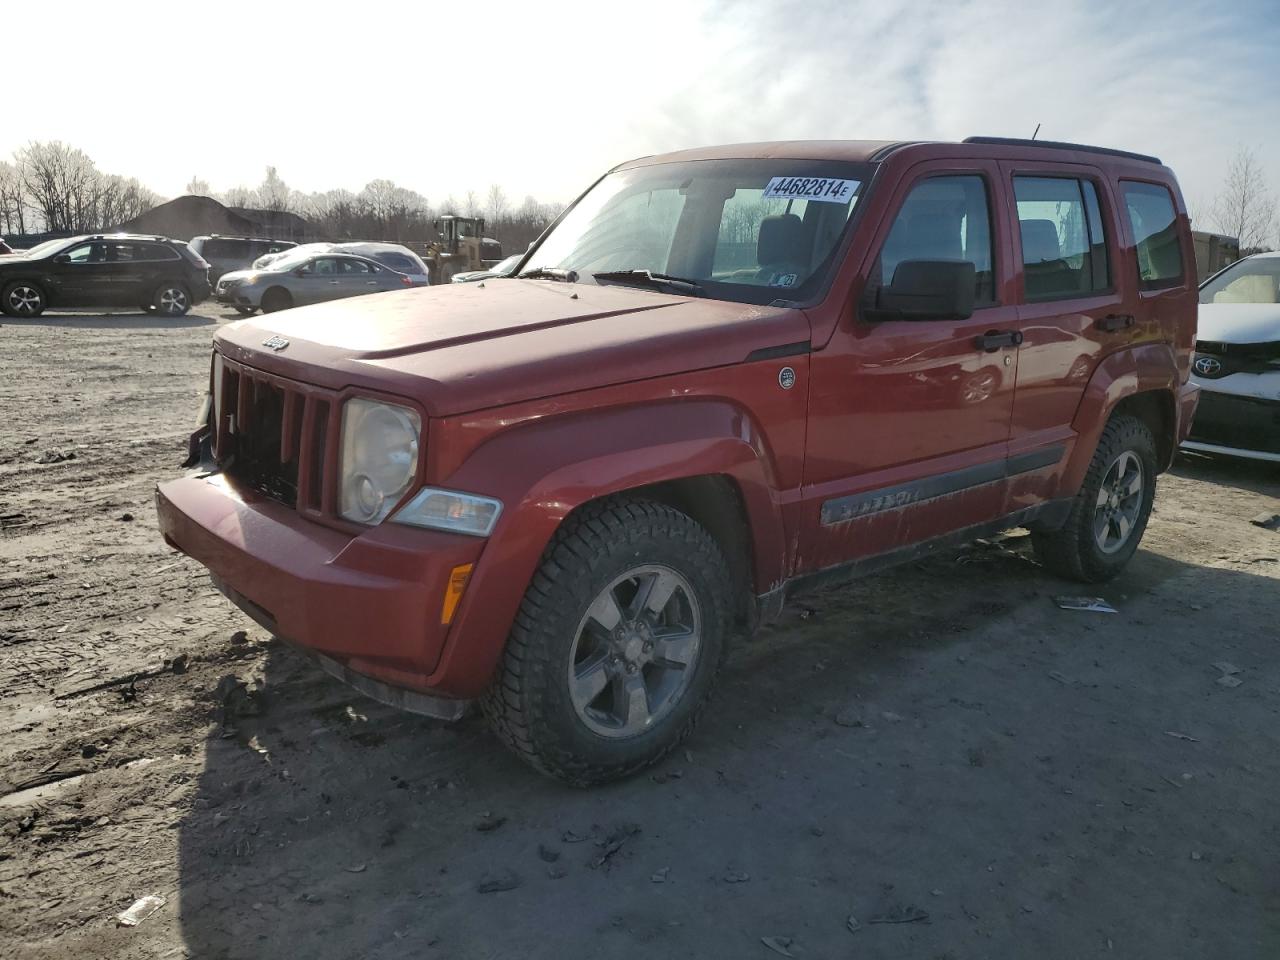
{"points": [[634, 651], [173, 300], [1119, 503], [24, 300]]}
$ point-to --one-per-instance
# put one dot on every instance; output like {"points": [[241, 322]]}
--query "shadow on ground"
{"points": [[940, 754]]}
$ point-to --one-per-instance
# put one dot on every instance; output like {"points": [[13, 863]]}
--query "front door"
{"points": [[909, 420], [81, 276], [317, 281]]}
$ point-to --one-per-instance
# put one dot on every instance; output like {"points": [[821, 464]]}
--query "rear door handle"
{"points": [[1115, 322], [333, 282], [993, 340]]}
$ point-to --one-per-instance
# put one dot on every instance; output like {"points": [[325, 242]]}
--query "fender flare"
{"points": [[1144, 368], [542, 470]]}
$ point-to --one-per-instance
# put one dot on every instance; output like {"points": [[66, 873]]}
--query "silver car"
{"points": [[308, 277]]}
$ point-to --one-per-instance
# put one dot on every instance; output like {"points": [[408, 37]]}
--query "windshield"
{"points": [[1252, 280], [290, 260], [746, 230], [46, 248]]}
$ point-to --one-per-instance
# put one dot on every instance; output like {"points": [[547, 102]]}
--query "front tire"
{"points": [[616, 644], [23, 300], [276, 299], [1111, 511], [171, 300]]}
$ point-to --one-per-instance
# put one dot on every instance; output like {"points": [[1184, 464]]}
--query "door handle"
{"points": [[333, 283], [371, 283], [993, 340], [1115, 322]]}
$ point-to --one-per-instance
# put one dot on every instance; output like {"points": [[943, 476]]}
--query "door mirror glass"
{"points": [[62, 258], [927, 290]]}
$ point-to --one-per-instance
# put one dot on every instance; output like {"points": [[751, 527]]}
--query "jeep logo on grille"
{"points": [[1208, 366], [276, 343]]}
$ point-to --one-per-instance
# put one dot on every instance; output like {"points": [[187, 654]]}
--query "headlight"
{"points": [[451, 511], [379, 457]]}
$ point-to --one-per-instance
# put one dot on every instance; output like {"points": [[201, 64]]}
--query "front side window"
{"points": [[1064, 250], [324, 267], [751, 231], [87, 253], [943, 218], [1252, 280], [1155, 233]]}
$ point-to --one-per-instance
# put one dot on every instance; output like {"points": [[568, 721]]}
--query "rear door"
{"points": [[355, 277], [128, 274], [1071, 298], [909, 420]]}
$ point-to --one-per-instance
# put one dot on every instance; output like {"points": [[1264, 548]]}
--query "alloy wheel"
{"points": [[634, 651], [25, 301], [173, 300], [1119, 502]]}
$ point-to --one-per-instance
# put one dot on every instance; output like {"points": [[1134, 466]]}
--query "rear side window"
{"points": [[220, 249], [1155, 233], [943, 218], [1064, 249]]}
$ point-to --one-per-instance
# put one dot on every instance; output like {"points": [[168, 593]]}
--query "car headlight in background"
{"points": [[451, 511], [379, 457]]}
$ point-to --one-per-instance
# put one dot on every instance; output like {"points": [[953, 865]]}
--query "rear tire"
{"points": [[171, 300], [275, 299], [23, 300], [616, 645], [1110, 512]]}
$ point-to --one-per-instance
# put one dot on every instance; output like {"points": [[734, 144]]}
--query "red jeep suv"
{"points": [[722, 376]]}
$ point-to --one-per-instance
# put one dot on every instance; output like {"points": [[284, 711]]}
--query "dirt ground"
{"points": [[935, 763]]}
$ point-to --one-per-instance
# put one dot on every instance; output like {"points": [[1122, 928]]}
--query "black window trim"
{"points": [[991, 232], [1110, 289], [1155, 286]]}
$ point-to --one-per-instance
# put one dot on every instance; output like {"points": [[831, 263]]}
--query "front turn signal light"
{"points": [[458, 579]]}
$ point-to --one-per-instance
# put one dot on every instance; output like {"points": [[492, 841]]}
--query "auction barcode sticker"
{"points": [[826, 189]]}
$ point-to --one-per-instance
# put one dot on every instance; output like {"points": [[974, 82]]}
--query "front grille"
{"points": [[274, 437], [1239, 357], [1246, 423]]}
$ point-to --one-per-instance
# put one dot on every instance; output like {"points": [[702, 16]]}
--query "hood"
{"points": [[1239, 322], [239, 274], [465, 346]]}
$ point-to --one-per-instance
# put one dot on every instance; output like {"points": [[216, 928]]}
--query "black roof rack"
{"points": [[1058, 144]]}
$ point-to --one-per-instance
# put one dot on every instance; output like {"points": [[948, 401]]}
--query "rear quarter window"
{"points": [[1154, 220]]}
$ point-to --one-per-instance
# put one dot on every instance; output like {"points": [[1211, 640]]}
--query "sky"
{"points": [[544, 97]]}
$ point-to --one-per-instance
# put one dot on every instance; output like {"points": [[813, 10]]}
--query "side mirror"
{"points": [[301, 272], [62, 258], [927, 290]]}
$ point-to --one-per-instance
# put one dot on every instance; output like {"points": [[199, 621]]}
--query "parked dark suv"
{"points": [[153, 273], [723, 377], [235, 253]]}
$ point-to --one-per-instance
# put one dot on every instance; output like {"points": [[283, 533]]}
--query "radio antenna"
{"points": [[1037, 133]]}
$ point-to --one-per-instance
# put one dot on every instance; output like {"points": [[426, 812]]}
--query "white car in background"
{"points": [[1237, 361]]}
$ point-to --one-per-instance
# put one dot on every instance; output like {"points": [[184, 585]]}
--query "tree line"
{"points": [[383, 210], [54, 188]]}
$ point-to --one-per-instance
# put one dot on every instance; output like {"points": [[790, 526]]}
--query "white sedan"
{"points": [[1237, 361]]}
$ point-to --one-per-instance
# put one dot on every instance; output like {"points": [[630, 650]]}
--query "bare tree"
{"points": [[199, 188], [58, 181], [273, 194], [238, 197], [472, 204], [497, 207], [1245, 209], [13, 201]]}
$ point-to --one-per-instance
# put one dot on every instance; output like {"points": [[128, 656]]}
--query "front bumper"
{"points": [[1238, 415], [236, 296], [369, 604]]}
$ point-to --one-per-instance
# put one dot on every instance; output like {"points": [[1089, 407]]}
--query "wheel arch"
{"points": [[1142, 380], [708, 462]]}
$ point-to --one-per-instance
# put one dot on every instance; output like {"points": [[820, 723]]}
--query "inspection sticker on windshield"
{"points": [[826, 189]]}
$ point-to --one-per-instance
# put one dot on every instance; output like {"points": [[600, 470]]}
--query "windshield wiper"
{"points": [[650, 278], [549, 273]]}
